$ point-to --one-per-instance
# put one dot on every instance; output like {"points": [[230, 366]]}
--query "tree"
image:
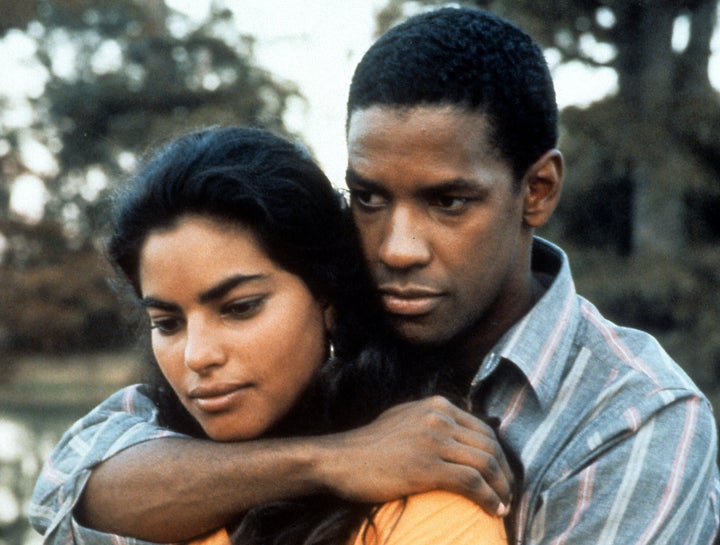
{"points": [[118, 77]]}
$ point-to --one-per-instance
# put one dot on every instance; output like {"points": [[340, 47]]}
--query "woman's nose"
{"points": [[203, 347]]}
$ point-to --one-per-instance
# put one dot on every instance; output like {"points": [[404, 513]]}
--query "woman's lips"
{"points": [[218, 397], [409, 301]]}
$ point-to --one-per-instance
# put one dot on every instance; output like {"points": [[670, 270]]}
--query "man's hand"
{"points": [[416, 447], [173, 489]]}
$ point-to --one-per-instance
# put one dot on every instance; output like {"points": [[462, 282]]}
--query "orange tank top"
{"points": [[432, 518]]}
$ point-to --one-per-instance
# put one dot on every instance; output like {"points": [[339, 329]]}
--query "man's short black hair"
{"points": [[468, 58]]}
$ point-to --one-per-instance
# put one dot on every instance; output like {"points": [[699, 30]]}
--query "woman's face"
{"points": [[238, 338]]}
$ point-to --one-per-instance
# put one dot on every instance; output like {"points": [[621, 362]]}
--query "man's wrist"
{"points": [[317, 468]]}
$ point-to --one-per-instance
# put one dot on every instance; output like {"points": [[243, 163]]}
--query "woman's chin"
{"points": [[227, 435]]}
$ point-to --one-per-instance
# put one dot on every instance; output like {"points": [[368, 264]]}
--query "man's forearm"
{"points": [[174, 489]]}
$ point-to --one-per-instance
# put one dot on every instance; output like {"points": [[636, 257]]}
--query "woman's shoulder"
{"points": [[436, 518], [219, 537]]}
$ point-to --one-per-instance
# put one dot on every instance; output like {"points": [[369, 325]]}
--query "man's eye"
{"points": [[366, 198], [243, 308], [166, 326], [449, 203]]}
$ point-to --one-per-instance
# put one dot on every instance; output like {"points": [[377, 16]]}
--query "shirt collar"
{"points": [[543, 337]]}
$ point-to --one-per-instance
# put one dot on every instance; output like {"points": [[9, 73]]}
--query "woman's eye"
{"points": [[165, 326], [244, 308]]}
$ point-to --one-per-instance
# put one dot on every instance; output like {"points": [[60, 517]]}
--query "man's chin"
{"points": [[419, 332]]}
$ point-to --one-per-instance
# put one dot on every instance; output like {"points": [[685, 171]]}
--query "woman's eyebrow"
{"points": [[212, 294], [221, 289]]}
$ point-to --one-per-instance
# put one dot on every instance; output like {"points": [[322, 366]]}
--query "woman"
{"points": [[246, 263]]}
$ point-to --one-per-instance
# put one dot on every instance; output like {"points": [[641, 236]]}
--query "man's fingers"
{"points": [[484, 454], [485, 469], [463, 418], [482, 450], [470, 483], [435, 444]]}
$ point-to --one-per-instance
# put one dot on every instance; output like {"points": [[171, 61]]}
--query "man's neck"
{"points": [[470, 349], [457, 361]]}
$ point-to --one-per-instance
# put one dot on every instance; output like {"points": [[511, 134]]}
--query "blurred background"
{"points": [[88, 85]]}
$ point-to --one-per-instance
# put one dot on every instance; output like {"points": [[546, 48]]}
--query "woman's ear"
{"points": [[328, 316], [543, 186], [329, 320]]}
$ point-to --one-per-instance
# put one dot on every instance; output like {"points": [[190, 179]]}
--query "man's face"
{"points": [[441, 225]]}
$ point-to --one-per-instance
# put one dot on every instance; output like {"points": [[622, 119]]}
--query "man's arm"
{"points": [[656, 481], [174, 489], [126, 418], [107, 473]]}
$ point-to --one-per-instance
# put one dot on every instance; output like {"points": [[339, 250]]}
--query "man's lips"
{"points": [[409, 300], [218, 397]]}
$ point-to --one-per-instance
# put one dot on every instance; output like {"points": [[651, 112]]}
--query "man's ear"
{"points": [[543, 185]]}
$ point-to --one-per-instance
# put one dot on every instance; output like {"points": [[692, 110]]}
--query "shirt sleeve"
{"points": [[432, 518], [125, 419], [623, 491]]}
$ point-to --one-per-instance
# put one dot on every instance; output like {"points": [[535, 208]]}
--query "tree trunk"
{"points": [[645, 69]]}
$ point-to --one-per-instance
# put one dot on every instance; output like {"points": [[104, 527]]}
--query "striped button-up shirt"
{"points": [[616, 444], [127, 418]]}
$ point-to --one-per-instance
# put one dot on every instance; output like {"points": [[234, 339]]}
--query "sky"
{"points": [[315, 44]]}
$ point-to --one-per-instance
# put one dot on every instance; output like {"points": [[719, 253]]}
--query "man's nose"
{"points": [[404, 244], [203, 348]]}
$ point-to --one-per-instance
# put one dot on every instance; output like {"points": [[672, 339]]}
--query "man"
{"points": [[452, 128]]}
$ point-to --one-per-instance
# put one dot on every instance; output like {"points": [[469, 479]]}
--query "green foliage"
{"points": [[56, 299], [119, 77]]}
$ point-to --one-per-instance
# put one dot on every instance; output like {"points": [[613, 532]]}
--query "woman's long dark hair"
{"points": [[261, 181]]}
